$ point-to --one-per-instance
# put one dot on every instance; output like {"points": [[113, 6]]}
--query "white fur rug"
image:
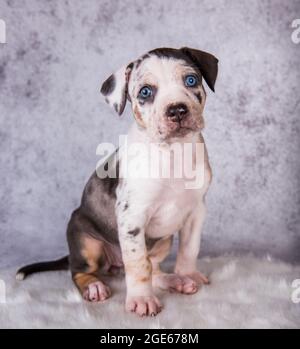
{"points": [[245, 292]]}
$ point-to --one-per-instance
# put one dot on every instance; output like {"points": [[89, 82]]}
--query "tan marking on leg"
{"points": [[92, 249], [144, 279], [91, 288], [140, 269], [82, 280]]}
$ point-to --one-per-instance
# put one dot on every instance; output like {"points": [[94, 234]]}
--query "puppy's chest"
{"points": [[170, 210]]}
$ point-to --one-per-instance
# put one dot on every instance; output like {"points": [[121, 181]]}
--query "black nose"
{"points": [[176, 112]]}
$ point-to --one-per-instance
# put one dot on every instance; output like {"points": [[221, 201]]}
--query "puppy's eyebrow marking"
{"points": [[141, 59], [134, 232], [108, 85]]}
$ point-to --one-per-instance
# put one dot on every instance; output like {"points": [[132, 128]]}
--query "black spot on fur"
{"points": [[130, 65], [108, 86], [125, 206], [110, 183], [134, 232]]}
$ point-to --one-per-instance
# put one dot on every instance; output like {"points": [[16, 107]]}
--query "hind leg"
{"points": [[91, 287], [86, 255]]}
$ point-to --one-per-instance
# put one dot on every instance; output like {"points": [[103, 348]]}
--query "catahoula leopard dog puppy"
{"points": [[130, 222]]}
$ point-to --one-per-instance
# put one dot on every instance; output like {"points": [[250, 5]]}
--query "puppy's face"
{"points": [[167, 97], [165, 89]]}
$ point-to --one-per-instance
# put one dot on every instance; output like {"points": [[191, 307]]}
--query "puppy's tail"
{"points": [[59, 264]]}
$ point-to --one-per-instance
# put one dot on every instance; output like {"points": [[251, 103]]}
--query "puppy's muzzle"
{"points": [[177, 112]]}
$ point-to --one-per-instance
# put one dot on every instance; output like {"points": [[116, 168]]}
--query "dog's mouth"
{"points": [[178, 128], [184, 126]]}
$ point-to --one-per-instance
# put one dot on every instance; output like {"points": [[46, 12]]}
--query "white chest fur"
{"points": [[168, 198]]}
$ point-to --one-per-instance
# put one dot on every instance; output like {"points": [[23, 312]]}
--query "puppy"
{"points": [[128, 221]]}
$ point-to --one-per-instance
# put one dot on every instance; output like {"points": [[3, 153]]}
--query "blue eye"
{"points": [[191, 81], [145, 92]]}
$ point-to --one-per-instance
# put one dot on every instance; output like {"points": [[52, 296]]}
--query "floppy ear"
{"points": [[115, 88], [207, 64]]}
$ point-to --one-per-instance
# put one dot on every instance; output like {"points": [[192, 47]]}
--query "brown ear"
{"points": [[206, 62]]}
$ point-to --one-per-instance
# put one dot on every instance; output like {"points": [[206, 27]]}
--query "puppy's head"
{"points": [[165, 89]]}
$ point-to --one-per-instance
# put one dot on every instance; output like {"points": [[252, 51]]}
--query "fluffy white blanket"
{"points": [[245, 292]]}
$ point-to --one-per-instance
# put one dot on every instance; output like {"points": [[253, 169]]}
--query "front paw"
{"points": [[199, 278], [143, 305], [175, 283]]}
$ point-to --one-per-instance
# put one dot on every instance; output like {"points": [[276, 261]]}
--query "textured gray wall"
{"points": [[52, 116]]}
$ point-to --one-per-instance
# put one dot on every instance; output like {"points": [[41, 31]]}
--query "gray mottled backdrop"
{"points": [[52, 115]]}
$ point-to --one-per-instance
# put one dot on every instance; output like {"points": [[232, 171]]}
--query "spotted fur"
{"points": [[130, 222]]}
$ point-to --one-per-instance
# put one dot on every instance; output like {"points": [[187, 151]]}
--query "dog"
{"points": [[130, 222]]}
